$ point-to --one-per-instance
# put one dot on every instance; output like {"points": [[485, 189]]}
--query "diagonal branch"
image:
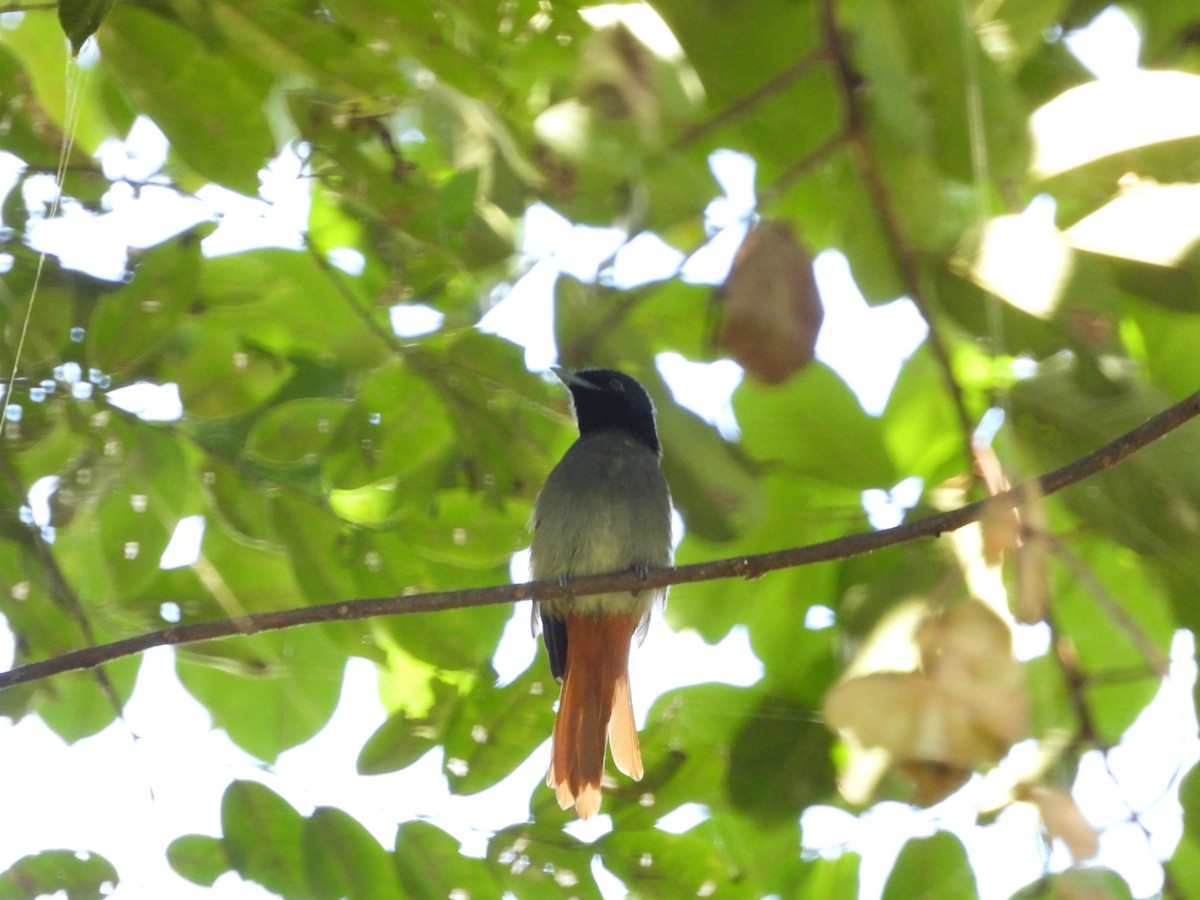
{"points": [[746, 104], [736, 567], [61, 592], [902, 248]]}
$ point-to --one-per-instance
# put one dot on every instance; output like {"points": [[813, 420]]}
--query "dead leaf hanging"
{"points": [[772, 309]]}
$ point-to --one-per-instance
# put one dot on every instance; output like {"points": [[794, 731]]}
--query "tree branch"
{"points": [[902, 249], [385, 335], [1157, 664], [803, 166], [745, 104], [735, 567], [61, 592]]}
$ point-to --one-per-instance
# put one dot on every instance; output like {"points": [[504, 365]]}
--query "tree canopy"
{"points": [[1045, 223]]}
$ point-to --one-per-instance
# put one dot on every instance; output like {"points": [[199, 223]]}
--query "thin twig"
{"points": [[1123, 675], [350, 298], [1108, 604], [902, 249], [803, 166], [61, 592], [745, 104], [581, 349], [734, 567], [1077, 683]]}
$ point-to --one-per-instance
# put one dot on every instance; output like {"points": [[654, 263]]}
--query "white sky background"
{"points": [[161, 771]]}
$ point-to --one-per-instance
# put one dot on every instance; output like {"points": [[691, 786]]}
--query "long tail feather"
{"points": [[596, 679], [622, 732]]}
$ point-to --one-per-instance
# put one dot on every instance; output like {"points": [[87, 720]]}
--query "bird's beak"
{"points": [[570, 379]]}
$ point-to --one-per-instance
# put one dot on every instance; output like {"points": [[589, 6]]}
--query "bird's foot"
{"points": [[643, 572], [564, 582]]}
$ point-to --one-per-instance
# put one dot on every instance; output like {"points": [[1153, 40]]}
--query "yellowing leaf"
{"points": [[1064, 820], [913, 718]]}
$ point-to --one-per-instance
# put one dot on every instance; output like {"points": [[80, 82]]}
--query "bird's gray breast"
{"points": [[605, 507]]}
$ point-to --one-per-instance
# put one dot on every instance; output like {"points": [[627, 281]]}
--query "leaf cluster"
{"points": [[332, 459]]}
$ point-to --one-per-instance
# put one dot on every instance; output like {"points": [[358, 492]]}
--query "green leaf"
{"points": [[454, 640], [1097, 883], [297, 432], [503, 416], [930, 869], [117, 535], [763, 855], [220, 132], [490, 731], [77, 706], [285, 304], [342, 859], [781, 761], [872, 585], [1148, 236], [1184, 864], [1151, 501], [264, 838], [813, 426], [671, 865], [407, 735], [1107, 646], [400, 431], [60, 101], [312, 537], [950, 65], [220, 376], [540, 861], [429, 864], [686, 747], [76, 874], [800, 511], [1167, 342], [270, 692], [712, 487], [286, 39], [199, 858], [80, 19], [31, 135], [831, 877], [237, 503], [130, 326]]}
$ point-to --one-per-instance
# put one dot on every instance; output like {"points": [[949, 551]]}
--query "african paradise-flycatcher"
{"points": [[604, 508]]}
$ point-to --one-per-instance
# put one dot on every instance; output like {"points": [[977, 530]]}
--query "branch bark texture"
{"points": [[734, 567]]}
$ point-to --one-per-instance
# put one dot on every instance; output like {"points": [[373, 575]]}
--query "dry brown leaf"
{"points": [[965, 706], [1032, 560], [1063, 819], [1000, 523], [913, 718], [933, 782], [967, 639], [772, 308], [1001, 529], [967, 650]]}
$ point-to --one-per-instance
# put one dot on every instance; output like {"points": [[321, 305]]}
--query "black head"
{"points": [[606, 398]]}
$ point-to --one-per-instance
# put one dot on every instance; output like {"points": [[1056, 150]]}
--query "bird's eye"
{"points": [[615, 385]]}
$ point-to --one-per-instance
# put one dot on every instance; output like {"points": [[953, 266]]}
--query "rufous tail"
{"points": [[595, 709]]}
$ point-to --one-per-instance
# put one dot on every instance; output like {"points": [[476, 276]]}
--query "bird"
{"points": [[605, 507]]}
